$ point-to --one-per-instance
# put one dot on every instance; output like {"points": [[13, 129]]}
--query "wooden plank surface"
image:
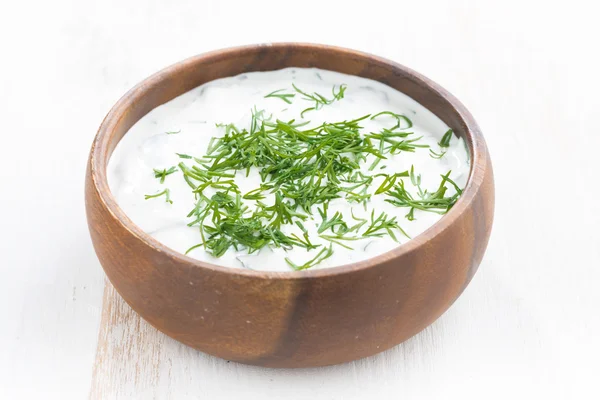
{"points": [[526, 327]]}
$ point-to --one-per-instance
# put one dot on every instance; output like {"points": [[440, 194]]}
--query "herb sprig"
{"points": [[166, 193], [325, 253], [436, 201], [444, 143], [282, 96], [302, 169], [319, 99], [163, 173]]}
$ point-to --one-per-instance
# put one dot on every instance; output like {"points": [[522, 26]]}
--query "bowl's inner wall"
{"points": [[184, 76]]}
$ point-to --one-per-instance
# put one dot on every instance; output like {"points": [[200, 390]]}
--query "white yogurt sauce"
{"points": [[230, 100]]}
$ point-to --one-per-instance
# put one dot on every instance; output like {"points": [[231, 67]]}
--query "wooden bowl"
{"points": [[291, 319]]}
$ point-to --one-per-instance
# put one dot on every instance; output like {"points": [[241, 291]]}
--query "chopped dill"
{"points": [[302, 169], [435, 155], [445, 142], [282, 96], [398, 117], [436, 202], [319, 99], [381, 225], [165, 193], [162, 173], [325, 253]]}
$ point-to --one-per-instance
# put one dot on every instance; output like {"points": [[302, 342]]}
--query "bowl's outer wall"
{"points": [[283, 320]]}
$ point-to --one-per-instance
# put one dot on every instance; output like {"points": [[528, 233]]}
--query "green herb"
{"points": [[411, 214], [436, 202], [388, 143], [232, 226], [319, 99], [301, 167], [330, 223], [446, 178], [162, 173], [325, 253], [165, 193], [336, 239], [414, 178], [445, 142], [283, 96], [256, 194], [345, 233], [173, 132], [389, 181], [305, 241], [435, 155], [360, 181], [398, 117], [281, 212], [381, 225], [375, 163], [361, 222]]}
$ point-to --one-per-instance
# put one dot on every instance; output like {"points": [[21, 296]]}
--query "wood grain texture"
{"points": [[136, 361], [123, 337], [297, 319]]}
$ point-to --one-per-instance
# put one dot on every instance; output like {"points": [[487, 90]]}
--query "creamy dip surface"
{"points": [[186, 125]]}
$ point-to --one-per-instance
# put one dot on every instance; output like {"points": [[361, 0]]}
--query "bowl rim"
{"points": [[98, 161]]}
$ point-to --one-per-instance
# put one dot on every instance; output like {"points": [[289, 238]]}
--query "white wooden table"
{"points": [[527, 326]]}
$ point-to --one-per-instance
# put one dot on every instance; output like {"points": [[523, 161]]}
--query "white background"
{"points": [[526, 327]]}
